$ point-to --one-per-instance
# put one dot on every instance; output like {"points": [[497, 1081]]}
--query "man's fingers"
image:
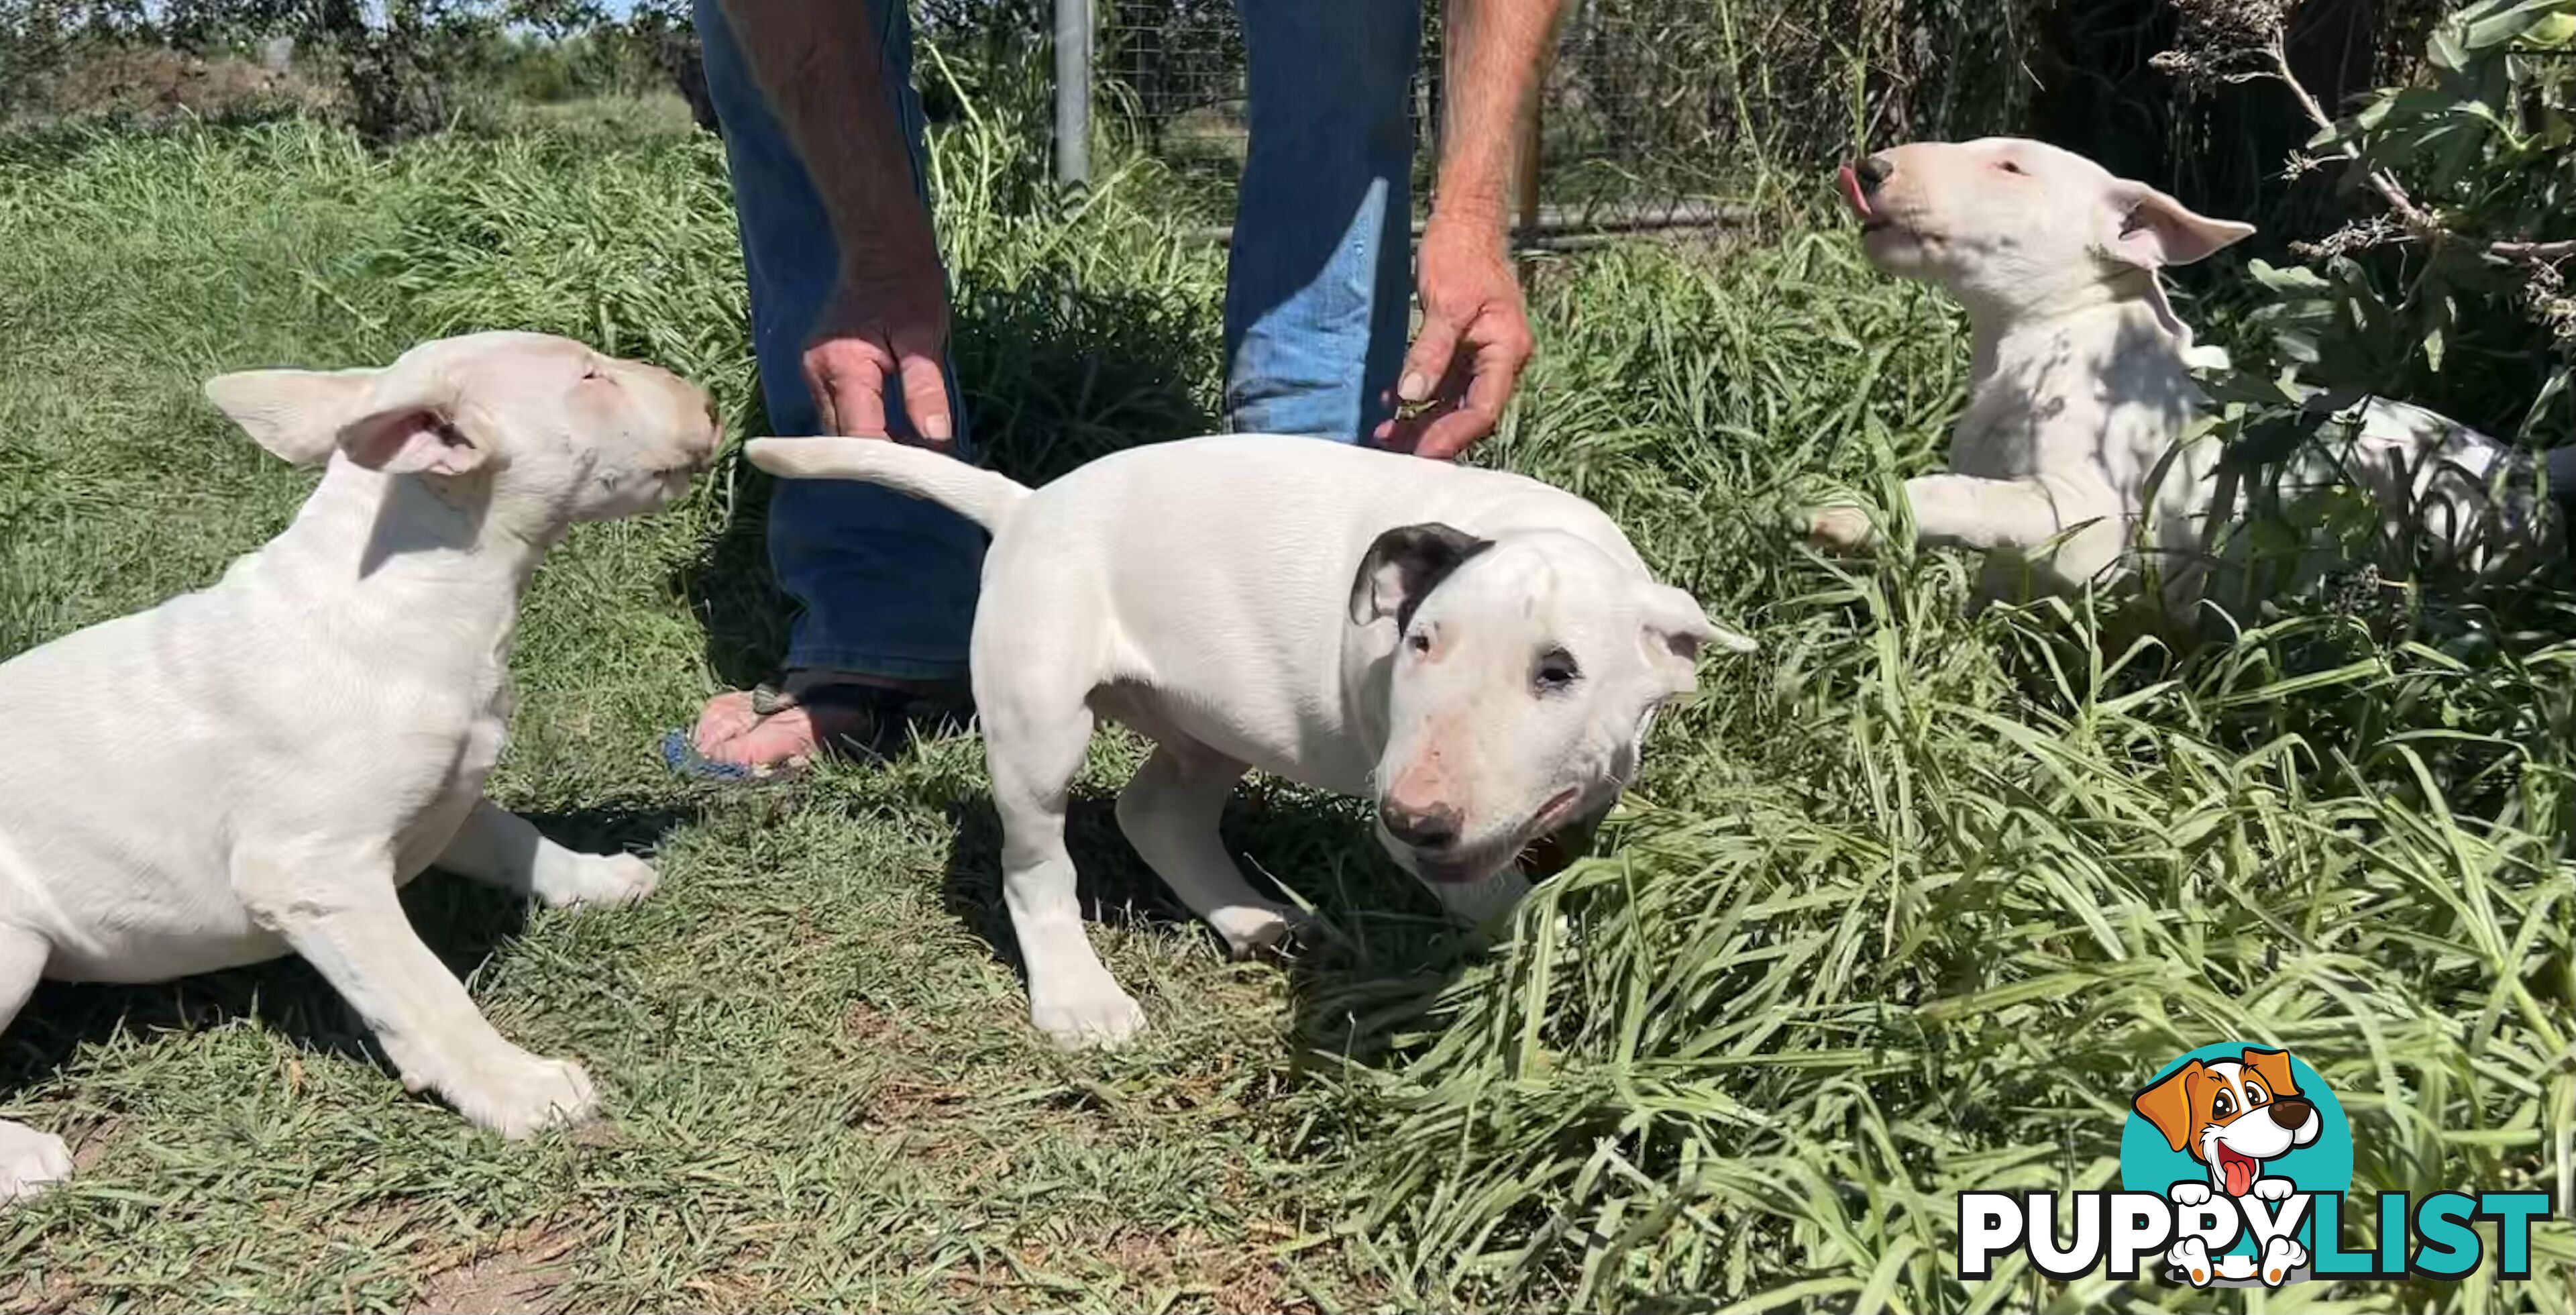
{"points": [[858, 397], [849, 389], [818, 385], [925, 398], [1495, 368], [1452, 434], [1427, 363]]}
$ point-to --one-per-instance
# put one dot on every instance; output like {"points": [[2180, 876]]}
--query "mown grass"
{"points": [[1906, 903]]}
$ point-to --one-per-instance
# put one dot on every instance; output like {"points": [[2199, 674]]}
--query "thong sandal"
{"points": [[680, 753]]}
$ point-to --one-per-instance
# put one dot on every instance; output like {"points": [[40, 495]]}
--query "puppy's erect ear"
{"points": [[1676, 630], [2168, 1105], [1404, 565], [2156, 230], [302, 415], [2273, 1066], [296, 414]]}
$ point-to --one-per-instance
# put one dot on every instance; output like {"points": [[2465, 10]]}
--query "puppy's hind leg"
{"points": [[1169, 812], [1034, 736], [29, 1160], [499, 848]]}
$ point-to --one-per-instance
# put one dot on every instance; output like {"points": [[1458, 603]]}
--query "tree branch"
{"points": [[2420, 223], [2415, 217]]}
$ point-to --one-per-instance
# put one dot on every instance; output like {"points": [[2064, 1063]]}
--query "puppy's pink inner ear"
{"points": [[414, 441], [2159, 230]]}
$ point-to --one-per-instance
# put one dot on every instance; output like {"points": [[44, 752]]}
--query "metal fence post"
{"points": [[1072, 91]]}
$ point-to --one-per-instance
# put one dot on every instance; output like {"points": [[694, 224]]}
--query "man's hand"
{"points": [[1475, 338], [884, 330], [1475, 330]]}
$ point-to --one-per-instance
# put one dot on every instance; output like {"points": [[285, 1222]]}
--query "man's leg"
{"points": [[884, 584], [1319, 292]]}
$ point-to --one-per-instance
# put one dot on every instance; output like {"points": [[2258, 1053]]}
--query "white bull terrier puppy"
{"points": [[1477, 652], [254, 768], [2081, 379]]}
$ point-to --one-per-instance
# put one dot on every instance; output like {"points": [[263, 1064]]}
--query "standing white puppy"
{"points": [[2081, 381], [254, 768], [1477, 652]]}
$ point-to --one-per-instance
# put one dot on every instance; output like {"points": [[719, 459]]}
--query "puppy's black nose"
{"points": [[1872, 171], [2291, 1112], [1436, 827]]}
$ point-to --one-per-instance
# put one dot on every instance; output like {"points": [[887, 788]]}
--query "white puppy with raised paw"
{"points": [[1477, 653], [2065, 468], [254, 769]]}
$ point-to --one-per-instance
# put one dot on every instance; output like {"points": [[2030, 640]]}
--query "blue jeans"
{"points": [[1316, 305]]}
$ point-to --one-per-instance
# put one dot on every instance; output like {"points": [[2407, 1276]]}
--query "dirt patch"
{"points": [[519, 1274], [30, 1294]]}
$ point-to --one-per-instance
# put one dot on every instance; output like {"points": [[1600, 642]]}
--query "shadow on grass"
{"points": [[1381, 951], [1053, 376], [464, 922]]}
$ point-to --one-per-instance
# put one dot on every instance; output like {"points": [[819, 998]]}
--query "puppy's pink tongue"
{"points": [[2240, 1177], [1852, 195]]}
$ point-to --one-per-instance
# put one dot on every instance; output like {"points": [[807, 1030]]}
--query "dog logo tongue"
{"points": [[2239, 1171]]}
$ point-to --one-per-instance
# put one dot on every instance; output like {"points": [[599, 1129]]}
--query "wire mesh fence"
{"points": [[1655, 114]]}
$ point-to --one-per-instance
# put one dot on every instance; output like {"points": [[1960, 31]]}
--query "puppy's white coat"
{"points": [[254, 768], [2081, 379], [1477, 652]]}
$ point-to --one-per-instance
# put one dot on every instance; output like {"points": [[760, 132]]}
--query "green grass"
{"points": [[1906, 903]]}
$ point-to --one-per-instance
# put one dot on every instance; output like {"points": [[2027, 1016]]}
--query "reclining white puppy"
{"points": [[2081, 381], [254, 768], [1478, 652]]}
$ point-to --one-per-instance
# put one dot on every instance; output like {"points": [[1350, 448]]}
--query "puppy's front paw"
{"points": [[1253, 931], [2189, 1193], [597, 881], [2191, 1256], [2280, 1256], [517, 1094], [1839, 529], [1091, 1014], [2273, 1189], [30, 1161]]}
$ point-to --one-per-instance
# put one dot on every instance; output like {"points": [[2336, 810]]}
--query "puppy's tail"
{"points": [[978, 495]]}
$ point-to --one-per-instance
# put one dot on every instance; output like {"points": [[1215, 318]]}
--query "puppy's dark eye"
{"points": [[2008, 166], [2255, 1095], [2223, 1106], [1555, 671], [1419, 641]]}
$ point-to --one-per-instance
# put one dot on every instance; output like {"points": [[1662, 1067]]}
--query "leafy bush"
{"points": [[2451, 290]]}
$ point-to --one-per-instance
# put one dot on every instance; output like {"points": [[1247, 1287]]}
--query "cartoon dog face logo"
{"points": [[2232, 1115]]}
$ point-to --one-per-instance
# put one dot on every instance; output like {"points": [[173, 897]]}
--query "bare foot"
{"points": [[733, 730]]}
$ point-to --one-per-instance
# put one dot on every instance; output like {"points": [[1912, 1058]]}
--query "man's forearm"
{"points": [[819, 64], [1496, 48]]}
